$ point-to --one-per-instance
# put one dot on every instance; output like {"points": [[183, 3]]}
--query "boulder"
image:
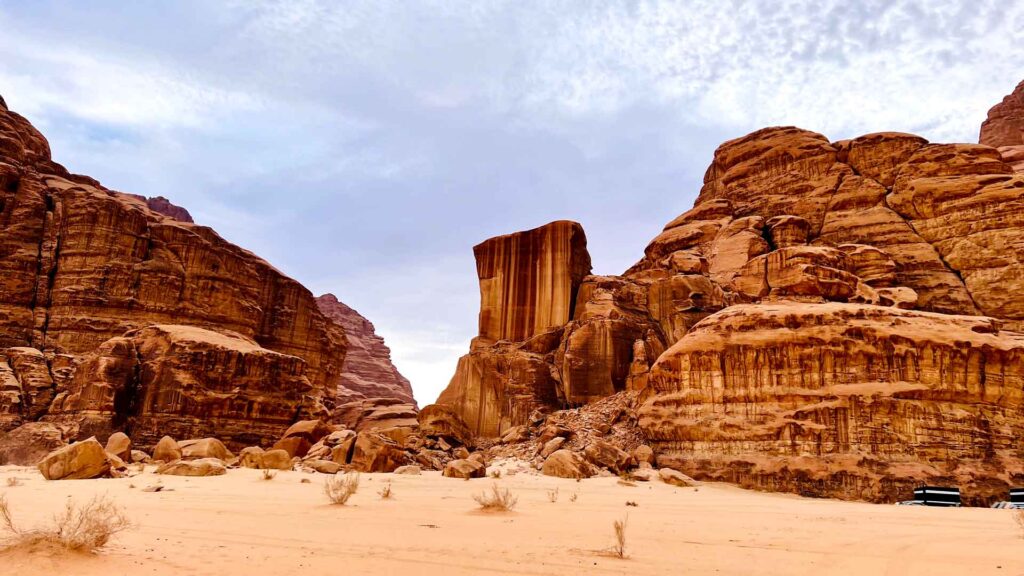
{"points": [[120, 445], [409, 469], [199, 467], [374, 452], [643, 454], [204, 448], [138, 456], [166, 450], [549, 447], [29, 443], [323, 466], [301, 436], [464, 469], [296, 446], [676, 478], [460, 453], [441, 421], [81, 460], [566, 464], [603, 454]]}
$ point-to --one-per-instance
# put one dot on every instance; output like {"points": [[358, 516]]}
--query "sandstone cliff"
{"points": [[88, 274], [832, 318], [1004, 128], [367, 371]]}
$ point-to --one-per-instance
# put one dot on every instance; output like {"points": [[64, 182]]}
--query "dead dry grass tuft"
{"points": [[497, 500], [340, 488], [80, 527]]}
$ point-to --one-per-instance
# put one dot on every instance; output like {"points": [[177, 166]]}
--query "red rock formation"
{"points": [[82, 266], [831, 318], [1005, 123], [187, 382], [367, 371], [528, 280]]}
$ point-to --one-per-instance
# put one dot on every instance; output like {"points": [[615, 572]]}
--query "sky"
{"points": [[364, 147]]}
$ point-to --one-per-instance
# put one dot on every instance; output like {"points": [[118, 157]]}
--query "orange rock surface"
{"points": [[97, 284], [831, 318]]}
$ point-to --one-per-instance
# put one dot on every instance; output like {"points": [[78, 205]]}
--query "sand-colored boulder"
{"points": [[139, 457], [409, 469], [643, 454], [29, 443], [464, 469], [120, 445], [199, 467], [81, 460], [566, 464], [374, 452], [323, 466], [549, 447], [166, 450], [441, 421], [676, 478], [604, 454], [204, 448]]}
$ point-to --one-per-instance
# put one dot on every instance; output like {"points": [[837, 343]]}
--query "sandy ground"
{"points": [[241, 524]]}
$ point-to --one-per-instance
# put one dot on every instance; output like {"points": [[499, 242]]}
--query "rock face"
{"points": [[831, 318], [1005, 123], [1004, 128], [187, 382], [367, 371], [119, 312]]}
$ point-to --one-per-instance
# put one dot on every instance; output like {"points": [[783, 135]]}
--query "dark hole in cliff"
{"points": [[12, 185]]}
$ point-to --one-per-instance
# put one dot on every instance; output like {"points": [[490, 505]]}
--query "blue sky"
{"points": [[365, 147]]}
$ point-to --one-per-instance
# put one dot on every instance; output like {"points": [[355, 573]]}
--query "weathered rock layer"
{"points": [[831, 318]]}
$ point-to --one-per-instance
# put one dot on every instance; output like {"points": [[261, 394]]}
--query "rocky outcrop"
{"points": [[92, 281], [1005, 123], [367, 371], [187, 382], [831, 318]]}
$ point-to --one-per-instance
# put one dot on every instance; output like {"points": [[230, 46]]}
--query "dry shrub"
{"points": [[497, 500], [619, 549], [269, 474], [553, 495], [573, 497], [496, 473], [82, 528], [340, 488], [385, 492], [13, 481]]}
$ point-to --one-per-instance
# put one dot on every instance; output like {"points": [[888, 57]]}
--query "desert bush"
{"points": [[496, 473], [553, 495], [269, 474], [80, 527], [13, 481], [385, 492], [497, 500], [573, 497], [619, 549], [340, 488]]}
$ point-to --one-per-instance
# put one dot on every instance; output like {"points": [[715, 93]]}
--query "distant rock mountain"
{"points": [[831, 318], [367, 370]]}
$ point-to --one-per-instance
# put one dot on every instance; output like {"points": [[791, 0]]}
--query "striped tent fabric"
{"points": [[938, 496]]}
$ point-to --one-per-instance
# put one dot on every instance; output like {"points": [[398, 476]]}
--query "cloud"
{"points": [[364, 147]]}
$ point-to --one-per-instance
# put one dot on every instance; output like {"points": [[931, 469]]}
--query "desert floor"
{"points": [[243, 524]]}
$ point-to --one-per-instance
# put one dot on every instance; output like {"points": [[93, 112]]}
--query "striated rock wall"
{"points": [[367, 371], [528, 280], [187, 382], [86, 270]]}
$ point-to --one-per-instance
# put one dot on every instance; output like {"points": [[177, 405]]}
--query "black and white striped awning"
{"points": [[939, 496]]}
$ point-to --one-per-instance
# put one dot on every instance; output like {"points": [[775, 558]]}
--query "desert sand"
{"points": [[242, 524]]}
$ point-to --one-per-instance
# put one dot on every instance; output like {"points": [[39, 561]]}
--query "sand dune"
{"points": [[242, 524]]}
